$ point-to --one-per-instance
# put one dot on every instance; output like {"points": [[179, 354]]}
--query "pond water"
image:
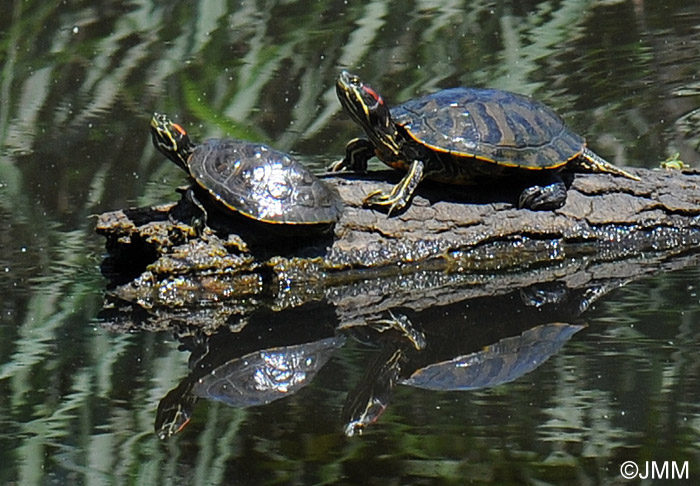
{"points": [[79, 401]]}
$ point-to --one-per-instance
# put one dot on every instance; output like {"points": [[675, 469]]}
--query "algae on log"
{"points": [[443, 234]]}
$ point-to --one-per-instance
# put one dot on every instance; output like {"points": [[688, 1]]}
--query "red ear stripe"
{"points": [[184, 424], [374, 94], [179, 129]]}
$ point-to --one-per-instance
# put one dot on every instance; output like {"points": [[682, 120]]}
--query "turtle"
{"points": [[465, 136], [249, 178]]}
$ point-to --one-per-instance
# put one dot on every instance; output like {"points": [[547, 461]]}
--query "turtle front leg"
{"points": [[357, 153], [197, 212], [544, 198], [400, 194]]}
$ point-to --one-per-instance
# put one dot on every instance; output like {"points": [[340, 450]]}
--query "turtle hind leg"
{"points": [[544, 197], [593, 162], [400, 194]]}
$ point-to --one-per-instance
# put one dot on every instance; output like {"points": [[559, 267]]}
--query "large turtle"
{"points": [[250, 178], [465, 136]]}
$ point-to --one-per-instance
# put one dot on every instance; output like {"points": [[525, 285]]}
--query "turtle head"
{"points": [[175, 410], [368, 109], [171, 139]]}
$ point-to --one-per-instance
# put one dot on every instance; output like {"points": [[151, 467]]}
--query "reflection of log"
{"points": [[606, 220]]}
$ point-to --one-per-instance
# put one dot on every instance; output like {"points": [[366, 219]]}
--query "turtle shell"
{"points": [[267, 375], [502, 362], [491, 125], [263, 183]]}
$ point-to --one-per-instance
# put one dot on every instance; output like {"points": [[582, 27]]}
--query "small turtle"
{"points": [[464, 136], [249, 178]]}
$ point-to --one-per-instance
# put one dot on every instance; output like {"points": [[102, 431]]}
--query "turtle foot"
{"points": [[543, 198], [357, 153], [400, 195], [339, 166], [391, 203]]}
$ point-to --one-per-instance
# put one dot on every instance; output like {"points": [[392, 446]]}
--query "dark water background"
{"points": [[78, 83]]}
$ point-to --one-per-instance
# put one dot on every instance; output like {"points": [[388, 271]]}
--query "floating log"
{"points": [[449, 236]]}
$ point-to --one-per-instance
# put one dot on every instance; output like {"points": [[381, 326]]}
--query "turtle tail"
{"points": [[593, 162]]}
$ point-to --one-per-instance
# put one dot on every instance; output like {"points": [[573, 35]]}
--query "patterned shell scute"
{"points": [[263, 183], [492, 125]]}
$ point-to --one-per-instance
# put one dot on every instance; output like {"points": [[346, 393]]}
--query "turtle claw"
{"points": [[357, 153], [338, 166], [400, 194], [380, 200]]}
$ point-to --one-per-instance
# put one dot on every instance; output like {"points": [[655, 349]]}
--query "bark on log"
{"points": [[602, 214]]}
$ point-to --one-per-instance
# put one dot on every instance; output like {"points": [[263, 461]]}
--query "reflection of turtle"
{"points": [[464, 136], [501, 362], [250, 178], [257, 378]]}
